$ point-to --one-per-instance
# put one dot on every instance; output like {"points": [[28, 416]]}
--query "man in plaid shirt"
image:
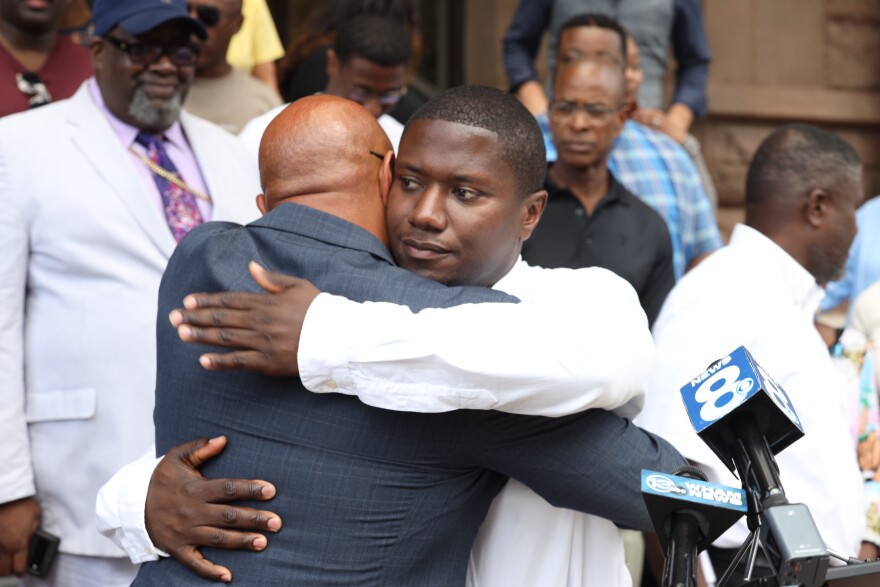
{"points": [[649, 163]]}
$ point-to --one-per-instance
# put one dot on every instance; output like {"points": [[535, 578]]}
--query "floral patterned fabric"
{"points": [[855, 357]]}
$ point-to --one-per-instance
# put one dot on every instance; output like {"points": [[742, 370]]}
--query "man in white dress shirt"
{"points": [[431, 204], [762, 291]]}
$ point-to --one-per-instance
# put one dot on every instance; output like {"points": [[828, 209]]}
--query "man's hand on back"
{"points": [[264, 328], [185, 511], [19, 519]]}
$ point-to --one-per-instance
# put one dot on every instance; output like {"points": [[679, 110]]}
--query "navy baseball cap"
{"points": [[140, 16]]}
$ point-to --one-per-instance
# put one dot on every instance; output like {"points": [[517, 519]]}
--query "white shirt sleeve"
{"points": [[120, 509], [578, 340]]}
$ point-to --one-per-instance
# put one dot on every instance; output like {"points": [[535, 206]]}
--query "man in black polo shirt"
{"points": [[590, 219]]}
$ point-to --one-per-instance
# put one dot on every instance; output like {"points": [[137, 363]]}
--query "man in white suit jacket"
{"points": [[83, 243]]}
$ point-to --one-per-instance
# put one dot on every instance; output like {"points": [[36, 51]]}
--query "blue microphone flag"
{"points": [[734, 385], [716, 507]]}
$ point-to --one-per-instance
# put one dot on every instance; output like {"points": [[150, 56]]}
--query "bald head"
{"points": [[319, 144], [317, 152]]}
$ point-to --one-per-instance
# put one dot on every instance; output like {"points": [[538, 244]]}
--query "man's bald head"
{"points": [[319, 144], [317, 152]]}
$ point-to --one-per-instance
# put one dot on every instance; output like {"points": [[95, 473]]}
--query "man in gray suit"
{"points": [[375, 496], [95, 192]]}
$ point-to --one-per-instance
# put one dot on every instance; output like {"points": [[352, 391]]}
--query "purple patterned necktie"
{"points": [[181, 209]]}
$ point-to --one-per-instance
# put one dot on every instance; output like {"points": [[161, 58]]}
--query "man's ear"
{"points": [[96, 48], [818, 203], [386, 175], [532, 208], [261, 204]]}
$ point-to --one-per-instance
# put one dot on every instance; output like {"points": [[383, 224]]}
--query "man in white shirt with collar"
{"points": [[762, 291]]}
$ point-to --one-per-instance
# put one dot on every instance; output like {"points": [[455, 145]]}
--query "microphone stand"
{"points": [[755, 487], [759, 473], [688, 528], [760, 478], [680, 569], [751, 546]]}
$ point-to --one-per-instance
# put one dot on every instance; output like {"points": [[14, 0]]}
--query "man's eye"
{"points": [[570, 56], [564, 108], [465, 193], [408, 183]]}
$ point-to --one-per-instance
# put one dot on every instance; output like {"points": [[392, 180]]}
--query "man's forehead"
{"points": [[172, 31], [364, 68], [469, 152], [458, 131], [591, 41], [421, 136], [594, 84]]}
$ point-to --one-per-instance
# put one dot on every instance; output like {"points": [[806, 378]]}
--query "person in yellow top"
{"points": [[256, 47]]}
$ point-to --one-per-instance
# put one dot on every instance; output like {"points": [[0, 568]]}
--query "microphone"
{"points": [[735, 406], [688, 514], [746, 418]]}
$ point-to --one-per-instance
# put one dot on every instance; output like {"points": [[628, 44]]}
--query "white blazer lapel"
{"points": [[95, 138]]}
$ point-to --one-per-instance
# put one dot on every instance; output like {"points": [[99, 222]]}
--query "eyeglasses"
{"points": [[387, 100], [208, 15], [145, 54], [596, 114], [31, 85]]}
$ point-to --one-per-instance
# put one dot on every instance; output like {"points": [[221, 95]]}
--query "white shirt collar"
{"points": [[800, 284], [513, 279]]}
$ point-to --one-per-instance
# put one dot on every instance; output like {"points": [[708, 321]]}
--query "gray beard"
{"points": [[154, 115]]}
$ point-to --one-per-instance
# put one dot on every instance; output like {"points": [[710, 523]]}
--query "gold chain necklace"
{"points": [[164, 173]]}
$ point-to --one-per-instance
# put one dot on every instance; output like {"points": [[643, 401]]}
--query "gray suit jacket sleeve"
{"points": [[591, 462]]}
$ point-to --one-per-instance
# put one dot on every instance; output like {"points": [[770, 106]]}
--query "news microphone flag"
{"points": [[736, 385], [716, 507]]}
